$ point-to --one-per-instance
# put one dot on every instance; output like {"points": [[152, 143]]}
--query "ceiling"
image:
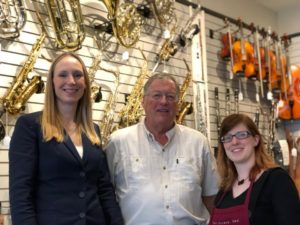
{"points": [[278, 5]]}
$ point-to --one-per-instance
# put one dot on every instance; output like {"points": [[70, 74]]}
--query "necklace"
{"points": [[242, 181]]}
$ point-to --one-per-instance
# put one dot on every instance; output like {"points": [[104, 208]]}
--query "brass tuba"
{"points": [[184, 108], [126, 21], [11, 21], [17, 95], [67, 21]]}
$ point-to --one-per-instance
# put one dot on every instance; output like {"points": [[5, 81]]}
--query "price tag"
{"points": [[285, 152]]}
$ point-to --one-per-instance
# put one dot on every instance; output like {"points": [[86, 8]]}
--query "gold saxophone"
{"points": [[95, 88], [132, 111], [69, 30], [126, 21], [109, 112], [17, 95], [168, 49], [11, 21], [184, 108]]}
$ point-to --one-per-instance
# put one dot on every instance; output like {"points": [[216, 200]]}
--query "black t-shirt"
{"points": [[274, 200]]}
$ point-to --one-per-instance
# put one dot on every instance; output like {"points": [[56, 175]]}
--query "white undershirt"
{"points": [[79, 150]]}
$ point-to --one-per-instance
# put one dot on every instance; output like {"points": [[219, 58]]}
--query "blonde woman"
{"points": [[58, 171]]}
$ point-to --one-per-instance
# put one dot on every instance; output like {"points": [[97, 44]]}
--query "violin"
{"points": [[290, 108], [294, 91], [225, 51], [276, 66], [243, 57], [250, 70], [274, 78], [285, 68], [260, 54], [290, 88], [271, 68]]}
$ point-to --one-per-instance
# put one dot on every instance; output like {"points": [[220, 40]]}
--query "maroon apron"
{"points": [[236, 215]]}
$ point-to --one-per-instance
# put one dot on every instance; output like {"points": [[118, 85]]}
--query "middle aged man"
{"points": [[164, 173]]}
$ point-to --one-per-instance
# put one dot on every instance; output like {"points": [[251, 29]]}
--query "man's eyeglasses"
{"points": [[239, 135], [157, 96]]}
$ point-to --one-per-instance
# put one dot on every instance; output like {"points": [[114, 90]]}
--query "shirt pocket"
{"points": [[137, 172], [187, 173]]}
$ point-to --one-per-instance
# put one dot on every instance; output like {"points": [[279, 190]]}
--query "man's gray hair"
{"points": [[161, 76]]}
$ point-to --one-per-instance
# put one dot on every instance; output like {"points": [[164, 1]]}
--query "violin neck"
{"points": [[243, 51]]}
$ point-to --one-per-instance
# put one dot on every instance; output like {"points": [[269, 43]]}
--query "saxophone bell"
{"points": [[96, 93], [35, 85], [186, 109]]}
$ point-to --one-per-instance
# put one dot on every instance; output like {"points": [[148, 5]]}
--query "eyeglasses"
{"points": [[157, 96], [239, 135]]}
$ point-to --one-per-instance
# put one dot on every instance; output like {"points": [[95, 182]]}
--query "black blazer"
{"points": [[49, 184]]}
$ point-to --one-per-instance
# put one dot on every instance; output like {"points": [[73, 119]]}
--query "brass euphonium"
{"points": [[17, 95], [69, 33], [67, 21], [126, 21], [11, 21], [184, 108]]}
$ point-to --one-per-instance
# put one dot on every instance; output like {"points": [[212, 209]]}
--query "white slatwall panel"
{"points": [[15, 52], [218, 76]]}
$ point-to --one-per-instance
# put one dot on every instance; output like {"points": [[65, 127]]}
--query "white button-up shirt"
{"points": [[161, 185]]}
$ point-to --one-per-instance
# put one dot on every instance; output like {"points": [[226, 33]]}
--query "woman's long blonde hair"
{"points": [[51, 122], [226, 168]]}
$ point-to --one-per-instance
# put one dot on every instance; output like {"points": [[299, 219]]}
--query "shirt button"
{"points": [[82, 174], [81, 194], [167, 207], [166, 186], [163, 150], [164, 168], [81, 215]]}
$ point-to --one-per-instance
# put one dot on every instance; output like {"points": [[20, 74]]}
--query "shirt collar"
{"points": [[170, 133]]}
